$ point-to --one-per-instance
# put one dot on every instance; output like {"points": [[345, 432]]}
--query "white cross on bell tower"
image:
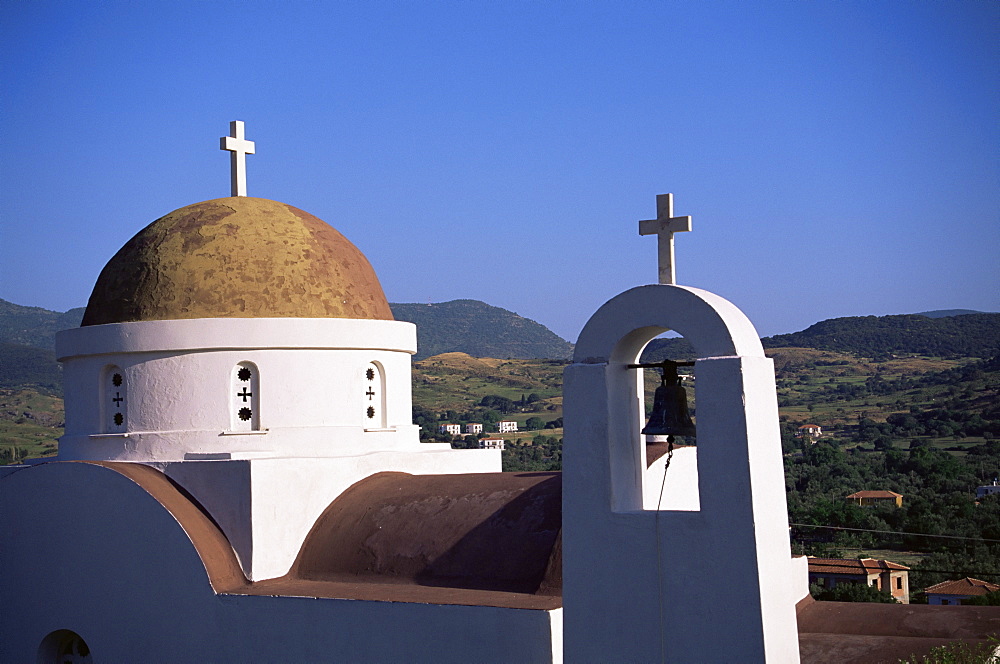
{"points": [[664, 226], [239, 147]]}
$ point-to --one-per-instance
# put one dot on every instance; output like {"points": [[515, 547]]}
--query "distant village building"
{"points": [[810, 431], [882, 574], [953, 592], [988, 490], [875, 498], [491, 443], [452, 429], [473, 428], [506, 426]]}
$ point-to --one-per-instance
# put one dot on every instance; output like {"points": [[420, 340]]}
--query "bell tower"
{"points": [[649, 580]]}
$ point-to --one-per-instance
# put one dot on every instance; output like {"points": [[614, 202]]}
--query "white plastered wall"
{"points": [[312, 396], [266, 507], [264, 488], [95, 554], [709, 584]]}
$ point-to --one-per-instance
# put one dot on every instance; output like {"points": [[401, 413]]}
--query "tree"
{"points": [[853, 592], [534, 423], [883, 443], [989, 599], [495, 402]]}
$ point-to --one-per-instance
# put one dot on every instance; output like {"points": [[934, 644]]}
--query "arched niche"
{"points": [[374, 406], [114, 406], [244, 397], [64, 646]]}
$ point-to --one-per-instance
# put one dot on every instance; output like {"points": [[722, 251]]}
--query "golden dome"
{"points": [[237, 257]]}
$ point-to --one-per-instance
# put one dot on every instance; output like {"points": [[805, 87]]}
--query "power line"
{"points": [[894, 532], [950, 572]]}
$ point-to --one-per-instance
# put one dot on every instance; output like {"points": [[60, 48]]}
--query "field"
{"points": [[30, 424]]}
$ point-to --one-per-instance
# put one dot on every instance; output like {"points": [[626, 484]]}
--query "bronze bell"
{"points": [[670, 416]]}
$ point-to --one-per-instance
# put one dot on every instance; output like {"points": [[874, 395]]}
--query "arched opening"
{"points": [[114, 405], [244, 391], [667, 437], [64, 647], [614, 338], [374, 396]]}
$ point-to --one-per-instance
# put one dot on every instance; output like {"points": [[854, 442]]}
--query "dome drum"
{"points": [[237, 387]]}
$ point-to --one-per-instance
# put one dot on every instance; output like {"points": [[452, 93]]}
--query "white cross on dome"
{"points": [[239, 147]]}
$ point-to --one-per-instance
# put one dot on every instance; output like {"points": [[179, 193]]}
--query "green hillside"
{"points": [[34, 326], [466, 326], [29, 366], [944, 333], [481, 330], [968, 335], [944, 313], [676, 348]]}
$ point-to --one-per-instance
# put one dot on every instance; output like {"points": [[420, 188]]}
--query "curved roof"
{"points": [[237, 257], [484, 531]]}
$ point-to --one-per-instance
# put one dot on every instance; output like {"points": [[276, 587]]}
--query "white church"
{"points": [[240, 479]]}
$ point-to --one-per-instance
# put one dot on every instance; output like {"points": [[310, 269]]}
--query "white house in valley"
{"points": [[507, 426], [809, 431], [492, 443]]}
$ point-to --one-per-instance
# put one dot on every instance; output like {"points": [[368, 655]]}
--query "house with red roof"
{"points": [[492, 443], [884, 575], [953, 592], [875, 498], [809, 431]]}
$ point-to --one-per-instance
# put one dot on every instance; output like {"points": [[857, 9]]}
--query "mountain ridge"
{"points": [[483, 330], [468, 326]]}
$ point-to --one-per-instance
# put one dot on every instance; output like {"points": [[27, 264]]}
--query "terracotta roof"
{"points": [[862, 632], [876, 494], [966, 586], [856, 566], [221, 564], [479, 539], [810, 426], [476, 531]]}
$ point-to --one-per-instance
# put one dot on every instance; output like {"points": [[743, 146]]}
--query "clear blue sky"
{"points": [[838, 158]]}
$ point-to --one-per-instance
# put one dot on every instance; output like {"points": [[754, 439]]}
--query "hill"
{"points": [[29, 366], [34, 326], [467, 326], [968, 335], [676, 348], [480, 330], [943, 333], [944, 313]]}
